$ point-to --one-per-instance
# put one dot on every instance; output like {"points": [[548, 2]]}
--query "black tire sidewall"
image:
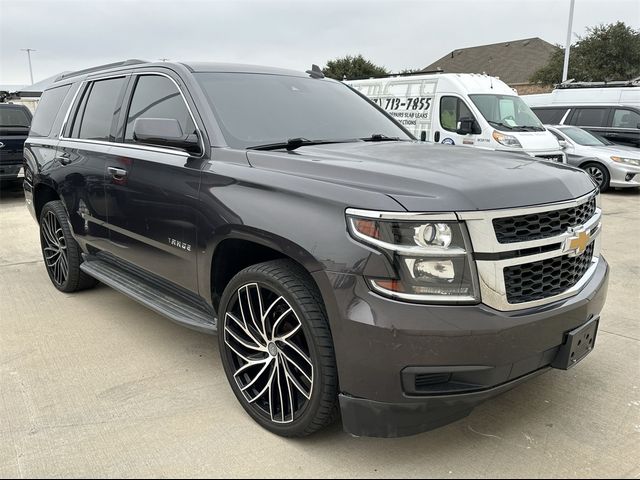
{"points": [[300, 425], [606, 178]]}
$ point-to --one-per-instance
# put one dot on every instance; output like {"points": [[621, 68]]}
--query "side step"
{"points": [[155, 297]]}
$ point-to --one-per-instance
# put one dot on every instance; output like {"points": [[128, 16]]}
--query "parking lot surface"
{"points": [[94, 384]]}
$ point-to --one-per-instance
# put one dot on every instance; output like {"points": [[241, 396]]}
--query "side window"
{"points": [[47, 111], [452, 109], [589, 117], [157, 97], [97, 110], [623, 118], [550, 116]]}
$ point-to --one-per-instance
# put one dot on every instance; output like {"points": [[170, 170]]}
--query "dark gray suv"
{"points": [[346, 267]]}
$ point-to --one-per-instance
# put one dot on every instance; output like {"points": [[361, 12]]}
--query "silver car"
{"points": [[609, 164]]}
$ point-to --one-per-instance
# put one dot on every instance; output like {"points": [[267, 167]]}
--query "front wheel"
{"points": [[600, 175], [277, 350]]}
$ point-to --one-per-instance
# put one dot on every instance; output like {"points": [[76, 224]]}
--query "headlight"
{"points": [[432, 258], [506, 140], [628, 161]]}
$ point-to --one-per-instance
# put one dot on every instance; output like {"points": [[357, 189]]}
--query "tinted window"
{"points": [[623, 118], [97, 110], [550, 116], [589, 117], [47, 110], [157, 97], [254, 109], [14, 117], [452, 109]]}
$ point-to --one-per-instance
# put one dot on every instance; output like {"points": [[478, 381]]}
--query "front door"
{"points": [[451, 110], [152, 192]]}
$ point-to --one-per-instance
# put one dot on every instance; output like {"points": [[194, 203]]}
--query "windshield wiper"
{"points": [[380, 137], [294, 143], [499, 124]]}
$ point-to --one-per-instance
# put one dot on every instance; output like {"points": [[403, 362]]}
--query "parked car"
{"points": [[462, 109], [344, 265], [609, 164], [15, 121]]}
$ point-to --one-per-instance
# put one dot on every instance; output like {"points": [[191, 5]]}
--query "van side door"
{"points": [[593, 119], [451, 110], [151, 190], [625, 126]]}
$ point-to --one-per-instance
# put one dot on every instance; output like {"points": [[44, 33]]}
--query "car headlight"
{"points": [[628, 161], [432, 258], [506, 140]]}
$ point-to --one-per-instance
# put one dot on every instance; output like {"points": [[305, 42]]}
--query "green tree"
{"points": [[353, 67], [606, 53]]}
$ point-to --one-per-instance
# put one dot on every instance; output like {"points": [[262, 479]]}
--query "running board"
{"points": [[155, 297]]}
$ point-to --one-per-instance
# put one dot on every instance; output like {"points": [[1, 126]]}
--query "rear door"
{"points": [[151, 191], [593, 119], [625, 126], [84, 152]]}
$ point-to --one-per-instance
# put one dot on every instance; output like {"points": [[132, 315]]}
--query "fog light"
{"points": [[629, 176]]}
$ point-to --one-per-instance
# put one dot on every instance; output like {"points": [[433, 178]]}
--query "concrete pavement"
{"points": [[93, 384]]}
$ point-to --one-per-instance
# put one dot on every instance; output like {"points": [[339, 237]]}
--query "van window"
{"points": [[47, 110], [623, 118], [506, 112], [98, 109], [452, 109], [590, 117], [157, 97], [550, 116]]}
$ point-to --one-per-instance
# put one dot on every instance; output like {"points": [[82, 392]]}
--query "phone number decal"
{"points": [[417, 103]]}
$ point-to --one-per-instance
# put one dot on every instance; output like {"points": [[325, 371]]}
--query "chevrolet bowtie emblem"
{"points": [[577, 243]]}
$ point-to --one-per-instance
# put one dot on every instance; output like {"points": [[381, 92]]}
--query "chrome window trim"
{"points": [[134, 145]]}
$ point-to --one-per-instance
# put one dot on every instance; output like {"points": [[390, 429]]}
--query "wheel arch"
{"points": [[43, 193]]}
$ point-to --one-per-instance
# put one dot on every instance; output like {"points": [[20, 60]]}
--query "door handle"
{"points": [[63, 159], [117, 173]]}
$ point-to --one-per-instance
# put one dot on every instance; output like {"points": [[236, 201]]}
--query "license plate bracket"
{"points": [[577, 345]]}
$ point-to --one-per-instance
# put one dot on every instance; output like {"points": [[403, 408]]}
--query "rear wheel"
{"points": [[277, 350], [600, 175], [61, 253]]}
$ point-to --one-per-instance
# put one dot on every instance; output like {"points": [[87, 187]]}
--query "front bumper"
{"points": [[467, 354], [624, 176]]}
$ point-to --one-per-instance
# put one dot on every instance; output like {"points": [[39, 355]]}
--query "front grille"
{"points": [[536, 226], [545, 278]]}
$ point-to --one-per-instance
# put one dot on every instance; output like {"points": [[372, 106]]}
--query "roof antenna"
{"points": [[315, 72]]}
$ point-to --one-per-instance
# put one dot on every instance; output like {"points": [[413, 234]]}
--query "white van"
{"points": [[462, 109]]}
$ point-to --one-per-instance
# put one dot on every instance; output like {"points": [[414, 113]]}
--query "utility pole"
{"points": [[565, 69], [29, 50]]}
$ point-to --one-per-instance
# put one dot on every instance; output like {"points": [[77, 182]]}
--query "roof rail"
{"points": [[635, 82], [100, 67], [406, 74]]}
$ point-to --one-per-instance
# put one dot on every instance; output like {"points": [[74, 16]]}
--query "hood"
{"points": [[619, 150], [431, 177]]}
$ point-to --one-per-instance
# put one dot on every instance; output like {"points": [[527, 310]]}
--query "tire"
{"points": [[299, 397], [599, 173], [60, 252]]}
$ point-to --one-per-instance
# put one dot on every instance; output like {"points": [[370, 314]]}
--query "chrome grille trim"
{"points": [[491, 272]]}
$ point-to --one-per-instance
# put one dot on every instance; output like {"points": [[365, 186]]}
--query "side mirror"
{"points": [[165, 132], [563, 143], [467, 126]]}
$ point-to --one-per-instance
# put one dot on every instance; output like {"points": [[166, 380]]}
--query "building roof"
{"points": [[514, 61]]}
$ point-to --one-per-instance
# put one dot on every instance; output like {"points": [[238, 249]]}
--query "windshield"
{"points": [[258, 109], [582, 137], [14, 117], [507, 112]]}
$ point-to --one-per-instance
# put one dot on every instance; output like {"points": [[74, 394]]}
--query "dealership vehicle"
{"points": [[611, 110], [14, 128], [462, 109], [346, 266], [609, 164]]}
